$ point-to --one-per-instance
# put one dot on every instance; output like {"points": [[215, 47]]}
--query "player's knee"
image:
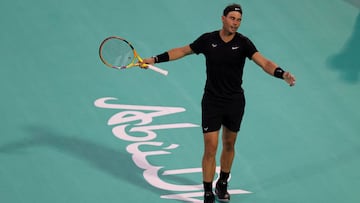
{"points": [[229, 146]]}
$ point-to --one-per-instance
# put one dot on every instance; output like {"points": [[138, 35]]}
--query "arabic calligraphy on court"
{"points": [[134, 120]]}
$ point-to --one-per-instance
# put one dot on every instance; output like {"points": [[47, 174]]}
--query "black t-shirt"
{"points": [[224, 62]]}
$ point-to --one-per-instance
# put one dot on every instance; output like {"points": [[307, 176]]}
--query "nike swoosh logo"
{"points": [[234, 48]]}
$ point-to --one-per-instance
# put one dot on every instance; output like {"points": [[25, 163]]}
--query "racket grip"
{"points": [[159, 70]]}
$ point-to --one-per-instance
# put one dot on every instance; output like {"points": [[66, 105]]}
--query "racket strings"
{"points": [[117, 53]]}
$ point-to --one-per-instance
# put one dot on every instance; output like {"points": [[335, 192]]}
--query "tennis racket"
{"points": [[116, 52]]}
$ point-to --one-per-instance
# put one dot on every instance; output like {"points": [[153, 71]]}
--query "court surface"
{"points": [[75, 131]]}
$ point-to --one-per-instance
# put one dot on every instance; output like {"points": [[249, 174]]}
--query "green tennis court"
{"points": [[73, 130]]}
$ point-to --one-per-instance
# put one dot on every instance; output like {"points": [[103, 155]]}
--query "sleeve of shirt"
{"points": [[251, 49], [198, 45]]}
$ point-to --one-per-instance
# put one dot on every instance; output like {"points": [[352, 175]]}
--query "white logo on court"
{"points": [[126, 128]]}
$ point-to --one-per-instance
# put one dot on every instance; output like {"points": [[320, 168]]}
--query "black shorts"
{"points": [[218, 112]]}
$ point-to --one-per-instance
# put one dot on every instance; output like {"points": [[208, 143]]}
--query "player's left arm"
{"points": [[272, 68]]}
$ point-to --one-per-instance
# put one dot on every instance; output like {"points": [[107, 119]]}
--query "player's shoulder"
{"points": [[210, 34], [241, 36]]}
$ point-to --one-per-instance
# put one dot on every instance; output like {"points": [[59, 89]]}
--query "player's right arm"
{"points": [[173, 54], [179, 52]]}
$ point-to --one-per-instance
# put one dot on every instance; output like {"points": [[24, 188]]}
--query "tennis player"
{"points": [[223, 99]]}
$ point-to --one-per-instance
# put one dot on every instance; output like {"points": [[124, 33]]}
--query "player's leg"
{"points": [[226, 160], [228, 149], [209, 161], [209, 164]]}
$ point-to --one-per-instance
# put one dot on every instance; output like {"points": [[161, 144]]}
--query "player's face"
{"points": [[231, 22]]}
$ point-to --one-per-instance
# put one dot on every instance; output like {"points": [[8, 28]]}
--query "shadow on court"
{"points": [[307, 171], [355, 3], [110, 161], [347, 61]]}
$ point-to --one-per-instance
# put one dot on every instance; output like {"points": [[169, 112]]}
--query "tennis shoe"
{"points": [[209, 197], [221, 191]]}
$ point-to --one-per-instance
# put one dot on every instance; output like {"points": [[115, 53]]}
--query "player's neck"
{"points": [[226, 36]]}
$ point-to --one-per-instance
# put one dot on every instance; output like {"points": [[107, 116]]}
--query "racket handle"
{"points": [[159, 70]]}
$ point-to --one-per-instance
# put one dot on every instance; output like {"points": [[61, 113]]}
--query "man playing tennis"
{"points": [[223, 100]]}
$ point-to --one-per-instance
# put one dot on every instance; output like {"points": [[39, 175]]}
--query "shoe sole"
{"points": [[222, 200], [219, 199]]}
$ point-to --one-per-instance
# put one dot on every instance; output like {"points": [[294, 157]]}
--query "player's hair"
{"points": [[232, 7]]}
